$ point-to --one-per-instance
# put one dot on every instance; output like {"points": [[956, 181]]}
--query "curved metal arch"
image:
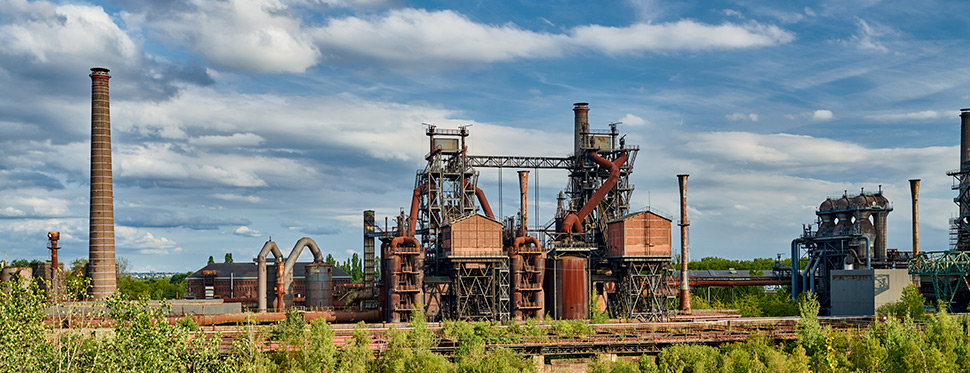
{"points": [[308, 242]]}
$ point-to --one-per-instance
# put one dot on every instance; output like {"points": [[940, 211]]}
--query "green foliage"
{"points": [[715, 263], [595, 315], [20, 263], [153, 288], [572, 328], [22, 332], [688, 358], [910, 304], [356, 356], [211, 260], [228, 258], [603, 365]]}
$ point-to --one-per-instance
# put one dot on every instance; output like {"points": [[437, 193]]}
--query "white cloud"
{"points": [[633, 120], [11, 212], [236, 139], [919, 115], [678, 36], [46, 32], [247, 232], [236, 197], [822, 115], [413, 35], [144, 242], [259, 35], [867, 37], [742, 116]]}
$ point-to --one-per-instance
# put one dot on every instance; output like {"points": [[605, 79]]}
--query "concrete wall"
{"points": [[861, 292]]}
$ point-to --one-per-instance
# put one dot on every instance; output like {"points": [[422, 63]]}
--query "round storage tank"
{"points": [[319, 285], [567, 288]]}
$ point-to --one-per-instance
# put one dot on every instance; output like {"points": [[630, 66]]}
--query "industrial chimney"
{"points": [[523, 203], [102, 229], [580, 126], [914, 190], [964, 139], [684, 253]]}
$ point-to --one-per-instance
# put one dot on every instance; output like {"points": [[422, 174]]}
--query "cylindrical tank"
{"points": [[567, 288], [575, 288], [319, 285], [516, 271], [964, 137]]}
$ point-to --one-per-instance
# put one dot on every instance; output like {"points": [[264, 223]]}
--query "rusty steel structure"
{"points": [[949, 271], [101, 249], [452, 255], [914, 191], [684, 252]]}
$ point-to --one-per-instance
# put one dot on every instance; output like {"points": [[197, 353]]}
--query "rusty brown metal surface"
{"points": [[914, 191], [642, 234], [575, 288], [574, 222], [474, 235], [684, 251], [101, 247]]}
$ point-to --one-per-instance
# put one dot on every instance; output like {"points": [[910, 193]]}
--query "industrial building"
{"points": [[454, 257], [236, 282]]}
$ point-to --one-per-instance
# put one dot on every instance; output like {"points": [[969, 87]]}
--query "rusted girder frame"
{"points": [[565, 163]]}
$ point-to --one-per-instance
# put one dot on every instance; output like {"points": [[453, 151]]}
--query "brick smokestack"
{"points": [[101, 249], [914, 191], [684, 251], [580, 126]]}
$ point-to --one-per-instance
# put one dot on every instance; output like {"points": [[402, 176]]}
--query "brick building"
{"points": [[236, 282]]}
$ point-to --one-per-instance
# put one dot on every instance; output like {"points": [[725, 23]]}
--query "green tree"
{"points": [[356, 356], [211, 260], [228, 258]]}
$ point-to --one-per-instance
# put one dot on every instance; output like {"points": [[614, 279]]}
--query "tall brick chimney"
{"points": [[101, 249]]}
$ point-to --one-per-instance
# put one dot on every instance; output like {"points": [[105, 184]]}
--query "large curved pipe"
{"points": [[398, 241], [415, 203], [268, 247], [482, 201], [519, 241], [285, 280], [574, 222]]}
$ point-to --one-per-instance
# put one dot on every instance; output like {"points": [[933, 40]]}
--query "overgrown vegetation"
{"points": [[142, 340]]}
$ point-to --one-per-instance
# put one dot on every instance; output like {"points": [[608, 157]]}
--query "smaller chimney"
{"points": [[523, 202], [580, 126], [684, 252], [964, 139], [914, 189]]}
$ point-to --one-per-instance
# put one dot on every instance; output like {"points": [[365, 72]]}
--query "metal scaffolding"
{"points": [[948, 271], [643, 293]]}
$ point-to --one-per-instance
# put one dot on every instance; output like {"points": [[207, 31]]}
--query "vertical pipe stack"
{"points": [[914, 190], [369, 254], [523, 203], [684, 257], [963, 199], [580, 126], [102, 235]]}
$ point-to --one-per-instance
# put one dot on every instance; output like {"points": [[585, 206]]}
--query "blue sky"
{"points": [[234, 121]]}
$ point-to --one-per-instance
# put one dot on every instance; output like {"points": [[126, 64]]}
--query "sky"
{"points": [[237, 121]]}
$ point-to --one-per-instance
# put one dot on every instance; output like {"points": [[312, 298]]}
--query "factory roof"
{"points": [[471, 215], [633, 214], [249, 270]]}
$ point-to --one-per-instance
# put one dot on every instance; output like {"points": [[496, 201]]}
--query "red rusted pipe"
{"points": [[573, 222], [415, 203], [401, 240], [482, 201], [236, 318], [524, 239]]}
